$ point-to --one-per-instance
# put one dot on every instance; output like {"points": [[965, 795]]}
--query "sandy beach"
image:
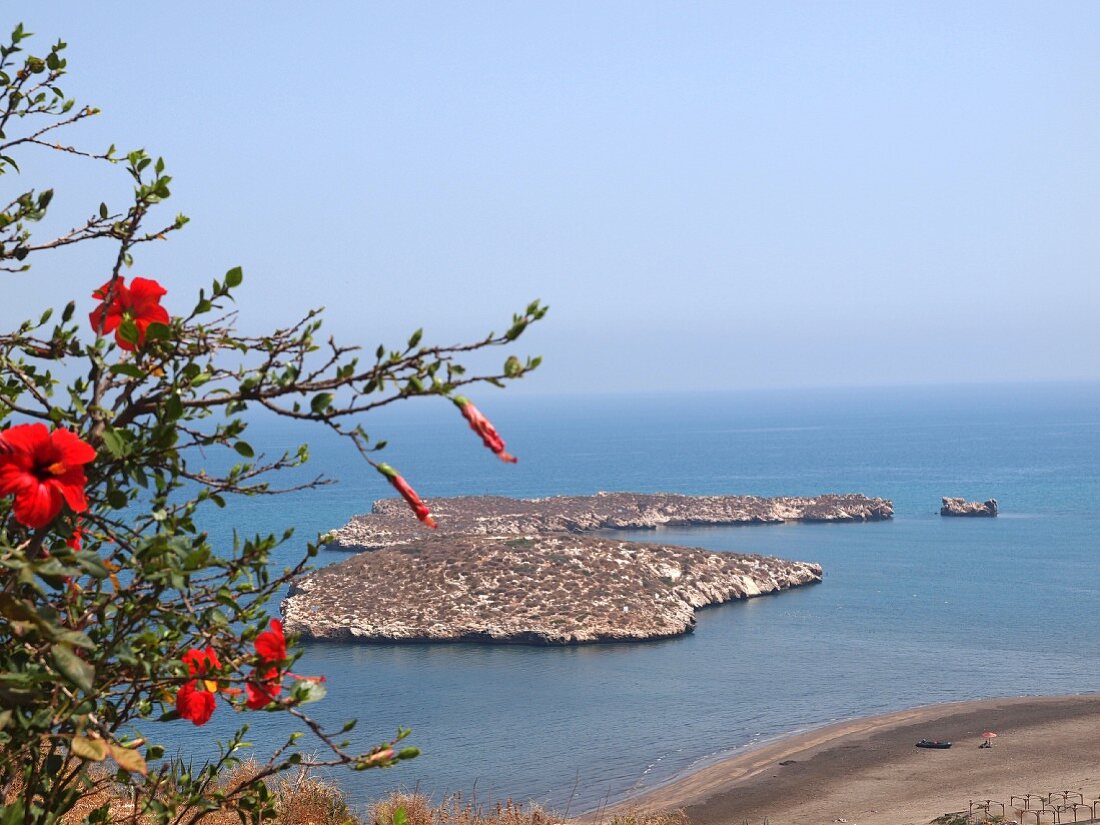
{"points": [[867, 771]]}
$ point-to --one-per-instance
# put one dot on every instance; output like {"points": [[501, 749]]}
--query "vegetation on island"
{"points": [[119, 615]]}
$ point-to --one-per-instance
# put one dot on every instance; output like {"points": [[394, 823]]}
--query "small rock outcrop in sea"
{"points": [[962, 507], [389, 522], [535, 589]]}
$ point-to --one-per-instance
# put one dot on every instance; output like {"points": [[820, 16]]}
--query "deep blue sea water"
{"points": [[913, 611]]}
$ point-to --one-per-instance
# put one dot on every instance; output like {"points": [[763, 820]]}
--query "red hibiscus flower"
{"points": [[484, 428], [201, 661], [42, 470], [408, 493], [195, 700], [271, 644], [262, 688], [195, 703], [140, 303]]}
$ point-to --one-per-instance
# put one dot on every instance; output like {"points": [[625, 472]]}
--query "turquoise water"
{"points": [[913, 611]]}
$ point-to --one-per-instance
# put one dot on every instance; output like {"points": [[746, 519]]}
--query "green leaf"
{"points": [[157, 332], [234, 277], [306, 692], [73, 668], [173, 407], [400, 817], [12, 813], [92, 564], [93, 749], [244, 448], [115, 444], [129, 369], [321, 402], [137, 473], [74, 638], [128, 332]]}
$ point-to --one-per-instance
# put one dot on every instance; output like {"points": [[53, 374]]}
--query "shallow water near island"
{"points": [[917, 610]]}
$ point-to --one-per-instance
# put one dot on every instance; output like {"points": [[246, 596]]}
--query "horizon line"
{"points": [[929, 385]]}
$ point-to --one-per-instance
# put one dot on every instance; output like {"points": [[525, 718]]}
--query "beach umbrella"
{"points": [[989, 736]]}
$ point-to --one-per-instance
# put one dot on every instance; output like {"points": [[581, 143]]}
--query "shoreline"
{"points": [[866, 770]]}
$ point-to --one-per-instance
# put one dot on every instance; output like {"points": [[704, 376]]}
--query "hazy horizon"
{"points": [[710, 197]]}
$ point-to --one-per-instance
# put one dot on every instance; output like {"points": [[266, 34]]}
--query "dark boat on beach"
{"points": [[933, 743]]}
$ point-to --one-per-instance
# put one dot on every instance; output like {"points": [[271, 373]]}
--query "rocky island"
{"points": [[388, 524], [962, 507], [519, 571], [537, 589]]}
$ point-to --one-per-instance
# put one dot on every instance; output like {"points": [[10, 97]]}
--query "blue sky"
{"points": [[709, 195]]}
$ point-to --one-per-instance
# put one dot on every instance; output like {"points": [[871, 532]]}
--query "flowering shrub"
{"points": [[118, 616]]}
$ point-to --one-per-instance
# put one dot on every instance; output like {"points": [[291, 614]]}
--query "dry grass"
{"points": [[301, 799], [419, 810], [309, 800], [455, 811], [660, 818], [305, 799]]}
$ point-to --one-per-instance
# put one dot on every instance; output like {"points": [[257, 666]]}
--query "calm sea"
{"points": [[913, 611]]}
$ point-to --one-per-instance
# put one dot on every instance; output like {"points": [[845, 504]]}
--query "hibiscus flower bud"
{"points": [[484, 428], [408, 493], [75, 541], [384, 755]]}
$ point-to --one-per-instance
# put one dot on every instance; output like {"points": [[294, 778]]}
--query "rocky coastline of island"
{"points": [[520, 571], [388, 523], [961, 508], [558, 589]]}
